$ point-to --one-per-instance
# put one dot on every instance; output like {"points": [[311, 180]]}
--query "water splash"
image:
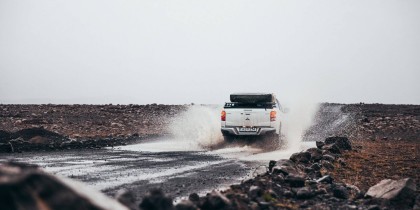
{"points": [[199, 125], [296, 121], [199, 128]]}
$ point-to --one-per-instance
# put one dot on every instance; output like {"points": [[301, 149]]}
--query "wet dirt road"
{"points": [[174, 167]]}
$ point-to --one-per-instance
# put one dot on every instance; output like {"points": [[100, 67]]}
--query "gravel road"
{"points": [[174, 167]]}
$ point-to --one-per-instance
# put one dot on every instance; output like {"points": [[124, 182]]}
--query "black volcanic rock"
{"points": [[295, 181], [342, 143], [25, 186], [301, 157], [156, 200]]}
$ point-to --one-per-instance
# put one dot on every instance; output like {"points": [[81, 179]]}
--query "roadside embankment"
{"points": [[56, 127], [90, 121]]}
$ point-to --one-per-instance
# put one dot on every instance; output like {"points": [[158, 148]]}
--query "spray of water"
{"points": [[199, 129], [199, 126], [294, 125], [296, 121]]}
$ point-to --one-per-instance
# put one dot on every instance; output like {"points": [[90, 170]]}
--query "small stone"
{"points": [[321, 191], [340, 192], [194, 198], [278, 178], [350, 207], [288, 194], [311, 182], [271, 164], [327, 165], [325, 179], [264, 205], [304, 193], [373, 207], [254, 192], [316, 167], [341, 161], [329, 158], [319, 144], [186, 205], [295, 181]]}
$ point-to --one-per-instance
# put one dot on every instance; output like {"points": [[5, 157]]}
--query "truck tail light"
{"points": [[223, 116], [273, 116]]}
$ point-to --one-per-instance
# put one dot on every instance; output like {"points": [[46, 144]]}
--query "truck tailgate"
{"points": [[247, 117]]}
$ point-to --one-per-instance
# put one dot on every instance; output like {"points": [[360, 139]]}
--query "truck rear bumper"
{"points": [[239, 131]]}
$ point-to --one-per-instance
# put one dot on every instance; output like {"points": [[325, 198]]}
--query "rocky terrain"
{"points": [[374, 164], [366, 122], [51, 127], [307, 181], [90, 121]]}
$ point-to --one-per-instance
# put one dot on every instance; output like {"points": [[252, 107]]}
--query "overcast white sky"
{"points": [[178, 52]]}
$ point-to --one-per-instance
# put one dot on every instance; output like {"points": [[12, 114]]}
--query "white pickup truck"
{"points": [[251, 114]]}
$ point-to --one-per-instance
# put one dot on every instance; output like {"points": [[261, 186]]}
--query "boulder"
{"points": [[285, 167], [215, 200], [285, 170], [342, 142], [156, 199], [401, 192], [301, 157], [25, 186], [29, 133], [333, 148], [285, 162], [316, 154]]}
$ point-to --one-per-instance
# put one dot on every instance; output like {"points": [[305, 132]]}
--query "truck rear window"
{"points": [[249, 105]]}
